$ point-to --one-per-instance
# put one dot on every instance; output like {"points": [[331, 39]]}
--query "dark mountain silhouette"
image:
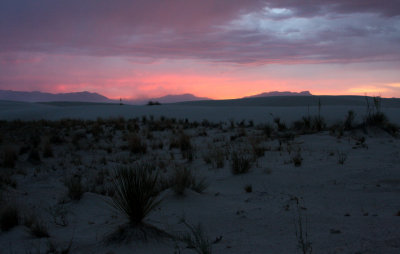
{"points": [[88, 97], [49, 97], [277, 93], [170, 99]]}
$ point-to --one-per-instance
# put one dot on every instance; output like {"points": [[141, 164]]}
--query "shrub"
{"points": [[297, 159], [241, 163], [280, 125], [318, 123], [75, 187], [135, 192], [9, 157], [197, 239], [184, 142], [153, 103], [34, 156], [341, 157], [47, 150], [9, 217], [349, 121], [215, 157], [136, 144], [37, 228], [183, 179], [248, 188]]}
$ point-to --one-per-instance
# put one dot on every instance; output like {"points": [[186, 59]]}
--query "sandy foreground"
{"points": [[343, 186]]}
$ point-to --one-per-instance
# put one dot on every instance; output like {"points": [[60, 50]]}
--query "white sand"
{"points": [[366, 187]]}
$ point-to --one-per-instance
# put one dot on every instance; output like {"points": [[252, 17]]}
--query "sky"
{"points": [[211, 48]]}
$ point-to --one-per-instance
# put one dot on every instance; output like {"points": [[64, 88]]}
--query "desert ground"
{"points": [[227, 178]]}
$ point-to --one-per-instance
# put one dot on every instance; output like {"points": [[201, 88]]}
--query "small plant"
{"points": [[281, 126], [47, 150], [196, 239], [9, 157], [183, 179], [75, 187], [34, 156], [135, 192], [301, 229], [341, 157], [349, 121], [248, 188], [59, 215], [37, 228], [241, 162], [215, 157], [153, 103], [297, 159], [9, 217], [136, 145]]}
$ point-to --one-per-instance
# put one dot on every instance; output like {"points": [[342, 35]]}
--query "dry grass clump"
{"points": [[215, 156], [136, 145], [75, 187], [47, 150], [36, 227], [196, 238], [241, 162], [297, 159], [10, 157], [341, 157], [9, 216], [183, 179], [135, 192], [248, 188]]}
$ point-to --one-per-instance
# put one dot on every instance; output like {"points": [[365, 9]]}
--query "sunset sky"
{"points": [[211, 48]]}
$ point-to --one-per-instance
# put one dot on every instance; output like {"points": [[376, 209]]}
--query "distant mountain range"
{"points": [[276, 93], [170, 99], [98, 98], [47, 97], [88, 97]]}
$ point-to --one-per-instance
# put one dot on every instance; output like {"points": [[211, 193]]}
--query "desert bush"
{"points": [[153, 103], [184, 142], [47, 150], [136, 144], [297, 159], [341, 157], [183, 179], [9, 216], [196, 239], [135, 192], [241, 162], [34, 156], [75, 187], [281, 126], [349, 121], [6, 179], [9, 157], [36, 227], [257, 148], [215, 157], [267, 129], [301, 229], [248, 188], [318, 123]]}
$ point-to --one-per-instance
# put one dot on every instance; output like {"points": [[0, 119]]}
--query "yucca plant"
{"points": [[135, 192]]}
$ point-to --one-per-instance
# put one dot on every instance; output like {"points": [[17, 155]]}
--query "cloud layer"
{"points": [[229, 31], [45, 40]]}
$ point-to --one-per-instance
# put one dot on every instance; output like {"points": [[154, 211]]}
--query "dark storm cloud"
{"points": [[251, 32]]}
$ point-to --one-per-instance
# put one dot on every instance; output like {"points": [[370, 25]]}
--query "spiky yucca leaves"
{"points": [[136, 192]]}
